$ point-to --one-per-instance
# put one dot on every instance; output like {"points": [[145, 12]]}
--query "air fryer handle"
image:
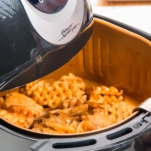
{"points": [[121, 136], [79, 145], [16, 134]]}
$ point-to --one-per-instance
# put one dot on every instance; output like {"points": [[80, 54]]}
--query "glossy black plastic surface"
{"points": [[24, 55], [17, 41]]}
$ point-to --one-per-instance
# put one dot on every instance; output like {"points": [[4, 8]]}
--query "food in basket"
{"points": [[52, 95], [18, 119], [19, 103], [65, 106]]}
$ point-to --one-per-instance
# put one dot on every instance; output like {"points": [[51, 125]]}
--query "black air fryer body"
{"points": [[28, 52]]}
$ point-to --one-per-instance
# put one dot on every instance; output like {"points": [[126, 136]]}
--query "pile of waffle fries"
{"points": [[65, 106]]}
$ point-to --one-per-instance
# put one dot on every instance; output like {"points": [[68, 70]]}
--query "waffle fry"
{"points": [[66, 88], [31, 87], [19, 103], [41, 128], [103, 90], [95, 100], [112, 106], [70, 106], [85, 126], [18, 119], [59, 127], [74, 102], [79, 110], [48, 124], [99, 121], [61, 119]]}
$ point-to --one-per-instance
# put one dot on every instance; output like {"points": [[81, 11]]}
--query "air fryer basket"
{"points": [[116, 57]]}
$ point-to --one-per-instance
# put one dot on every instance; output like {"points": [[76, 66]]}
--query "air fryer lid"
{"points": [[31, 39]]}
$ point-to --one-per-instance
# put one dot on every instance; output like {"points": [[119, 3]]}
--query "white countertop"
{"points": [[136, 16]]}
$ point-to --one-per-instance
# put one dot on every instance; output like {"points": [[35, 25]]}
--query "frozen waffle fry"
{"points": [[98, 110], [66, 88], [19, 103], [99, 120], [85, 126], [59, 127], [41, 128], [64, 106], [95, 100], [79, 110], [18, 119], [71, 78], [61, 119], [57, 124], [112, 106], [30, 88], [74, 102], [75, 111], [103, 90]]}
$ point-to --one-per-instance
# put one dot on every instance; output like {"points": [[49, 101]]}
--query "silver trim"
{"points": [[146, 105], [52, 27]]}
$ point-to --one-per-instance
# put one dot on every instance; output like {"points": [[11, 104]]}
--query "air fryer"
{"points": [[110, 54]]}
